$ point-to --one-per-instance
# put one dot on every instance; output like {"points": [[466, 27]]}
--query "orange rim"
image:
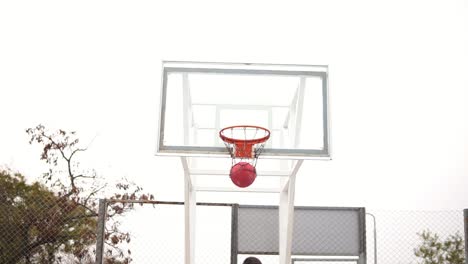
{"points": [[244, 141]]}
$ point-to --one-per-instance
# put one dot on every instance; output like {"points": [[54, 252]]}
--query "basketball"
{"points": [[243, 174]]}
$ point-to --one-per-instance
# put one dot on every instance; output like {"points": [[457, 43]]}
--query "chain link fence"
{"points": [[158, 232], [399, 234], [390, 236], [47, 230]]}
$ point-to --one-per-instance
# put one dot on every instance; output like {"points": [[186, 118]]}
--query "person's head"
{"points": [[252, 260]]}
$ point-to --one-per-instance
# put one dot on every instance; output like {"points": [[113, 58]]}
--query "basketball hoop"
{"points": [[244, 143]]}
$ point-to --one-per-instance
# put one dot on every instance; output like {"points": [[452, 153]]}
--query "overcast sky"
{"points": [[398, 85]]}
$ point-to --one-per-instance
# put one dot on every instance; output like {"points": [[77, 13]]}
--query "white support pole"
{"points": [[187, 108], [299, 107], [217, 123], [270, 125], [190, 131], [283, 163], [239, 190], [190, 206], [286, 216], [260, 173]]}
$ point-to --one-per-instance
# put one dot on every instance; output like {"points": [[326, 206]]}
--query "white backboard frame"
{"points": [[320, 71]]}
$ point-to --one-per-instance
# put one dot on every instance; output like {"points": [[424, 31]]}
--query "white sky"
{"points": [[398, 84]]}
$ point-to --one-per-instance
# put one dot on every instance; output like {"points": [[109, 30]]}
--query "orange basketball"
{"points": [[243, 174]]}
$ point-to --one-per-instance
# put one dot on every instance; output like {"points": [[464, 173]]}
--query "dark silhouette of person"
{"points": [[252, 260]]}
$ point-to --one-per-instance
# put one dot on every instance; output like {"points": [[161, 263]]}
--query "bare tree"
{"points": [[79, 187]]}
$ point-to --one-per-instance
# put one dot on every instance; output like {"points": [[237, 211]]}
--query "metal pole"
{"points": [[101, 224], [465, 218], [375, 237], [234, 233], [362, 237]]}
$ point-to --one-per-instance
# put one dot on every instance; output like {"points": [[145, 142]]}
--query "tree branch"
{"points": [[81, 216], [76, 150], [83, 176], [94, 192], [56, 145], [87, 208], [70, 174]]}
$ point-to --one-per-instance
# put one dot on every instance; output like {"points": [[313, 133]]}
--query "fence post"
{"points": [[465, 218], [362, 234], [234, 233], [375, 236], [100, 230]]}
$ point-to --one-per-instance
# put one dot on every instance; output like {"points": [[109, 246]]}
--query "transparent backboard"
{"points": [[199, 99]]}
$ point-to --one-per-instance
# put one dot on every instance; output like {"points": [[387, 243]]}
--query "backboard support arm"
{"points": [[286, 192], [286, 215], [190, 203]]}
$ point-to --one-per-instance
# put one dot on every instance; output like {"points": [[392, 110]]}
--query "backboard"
{"points": [[198, 99]]}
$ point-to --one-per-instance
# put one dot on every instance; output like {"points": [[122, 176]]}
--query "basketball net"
{"points": [[245, 143]]}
